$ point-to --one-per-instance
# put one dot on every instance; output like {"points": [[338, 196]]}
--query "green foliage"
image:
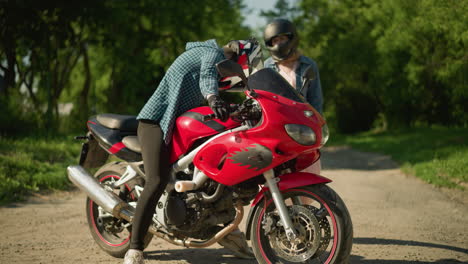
{"points": [[39, 46], [34, 163], [16, 122], [104, 56], [419, 41], [132, 57], [436, 154], [355, 111], [282, 9], [409, 57]]}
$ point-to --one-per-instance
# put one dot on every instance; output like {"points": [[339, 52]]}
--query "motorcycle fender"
{"points": [[287, 181], [92, 154]]}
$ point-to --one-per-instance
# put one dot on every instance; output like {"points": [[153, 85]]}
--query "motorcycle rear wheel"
{"points": [[111, 234], [320, 218]]}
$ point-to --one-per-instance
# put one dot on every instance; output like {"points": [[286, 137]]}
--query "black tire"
{"points": [[332, 222], [109, 232]]}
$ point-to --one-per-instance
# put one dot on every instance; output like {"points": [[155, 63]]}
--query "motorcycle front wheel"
{"points": [[110, 233], [320, 219]]}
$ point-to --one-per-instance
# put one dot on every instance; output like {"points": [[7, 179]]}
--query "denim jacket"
{"points": [[313, 92]]}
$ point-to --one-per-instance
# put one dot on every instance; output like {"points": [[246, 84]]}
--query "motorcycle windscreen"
{"points": [[271, 81]]}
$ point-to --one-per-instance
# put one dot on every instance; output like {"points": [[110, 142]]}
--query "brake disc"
{"points": [[309, 236], [325, 231]]}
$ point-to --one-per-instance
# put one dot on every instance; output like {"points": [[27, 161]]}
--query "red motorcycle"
{"points": [[255, 158]]}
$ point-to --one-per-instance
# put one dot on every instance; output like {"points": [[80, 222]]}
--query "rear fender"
{"points": [[92, 154], [287, 181]]}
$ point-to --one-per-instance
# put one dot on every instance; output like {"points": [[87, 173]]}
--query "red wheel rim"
{"points": [[330, 212], [91, 211]]}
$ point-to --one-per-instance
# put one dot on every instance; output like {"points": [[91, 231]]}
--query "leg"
{"points": [[316, 169], [155, 158], [237, 244]]}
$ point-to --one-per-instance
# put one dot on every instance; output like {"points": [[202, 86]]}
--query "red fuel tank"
{"points": [[190, 127]]}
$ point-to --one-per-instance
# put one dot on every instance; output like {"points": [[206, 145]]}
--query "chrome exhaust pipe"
{"points": [[109, 201]]}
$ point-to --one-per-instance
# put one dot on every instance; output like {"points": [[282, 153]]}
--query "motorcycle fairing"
{"points": [[190, 127], [239, 156], [304, 160], [256, 156]]}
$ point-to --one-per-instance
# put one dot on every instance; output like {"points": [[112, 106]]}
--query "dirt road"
{"points": [[397, 220]]}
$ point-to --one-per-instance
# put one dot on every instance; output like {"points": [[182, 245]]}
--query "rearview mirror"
{"points": [[228, 68], [308, 73], [307, 76]]}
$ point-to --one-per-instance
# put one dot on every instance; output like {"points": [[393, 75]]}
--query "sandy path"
{"points": [[397, 220]]}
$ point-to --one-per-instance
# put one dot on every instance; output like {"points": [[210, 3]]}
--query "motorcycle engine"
{"points": [[200, 214]]}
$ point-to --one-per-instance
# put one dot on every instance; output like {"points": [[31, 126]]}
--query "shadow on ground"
{"points": [[335, 158], [197, 256], [222, 256], [383, 241], [359, 260]]}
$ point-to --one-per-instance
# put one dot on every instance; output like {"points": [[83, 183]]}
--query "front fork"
{"points": [[272, 184]]}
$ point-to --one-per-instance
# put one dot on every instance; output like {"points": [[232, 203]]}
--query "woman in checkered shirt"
{"points": [[190, 80]]}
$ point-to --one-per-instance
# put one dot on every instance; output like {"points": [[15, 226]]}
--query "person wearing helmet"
{"points": [[281, 40], [190, 80]]}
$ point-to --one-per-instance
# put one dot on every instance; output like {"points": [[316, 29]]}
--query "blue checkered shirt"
{"points": [[313, 92], [187, 82]]}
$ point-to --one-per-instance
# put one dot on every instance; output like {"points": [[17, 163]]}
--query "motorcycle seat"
{"points": [[120, 122], [132, 143]]}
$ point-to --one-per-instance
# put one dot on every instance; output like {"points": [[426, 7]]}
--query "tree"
{"points": [[42, 44], [282, 9], [427, 47], [408, 59], [109, 53]]}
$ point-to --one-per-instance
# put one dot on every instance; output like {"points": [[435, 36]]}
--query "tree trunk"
{"points": [[9, 70], [83, 112]]}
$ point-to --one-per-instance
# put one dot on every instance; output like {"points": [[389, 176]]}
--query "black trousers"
{"points": [[156, 162]]}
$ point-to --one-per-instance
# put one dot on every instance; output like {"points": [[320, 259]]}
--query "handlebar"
{"points": [[232, 112], [208, 117]]}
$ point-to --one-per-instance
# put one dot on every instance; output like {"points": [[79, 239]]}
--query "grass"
{"points": [[32, 164], [438, 155]]}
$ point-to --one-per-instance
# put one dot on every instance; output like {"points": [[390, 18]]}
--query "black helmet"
{"points": [[281, 27]]}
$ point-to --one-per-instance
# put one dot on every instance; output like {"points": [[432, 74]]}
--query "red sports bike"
{"points": [[255, 158]]}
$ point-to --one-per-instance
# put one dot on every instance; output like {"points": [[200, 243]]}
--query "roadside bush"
{"points": [[356, 111], [31, 164]]}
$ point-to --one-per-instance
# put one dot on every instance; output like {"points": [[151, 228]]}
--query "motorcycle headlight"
{"points": [[303, 135], [325, 135]]}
